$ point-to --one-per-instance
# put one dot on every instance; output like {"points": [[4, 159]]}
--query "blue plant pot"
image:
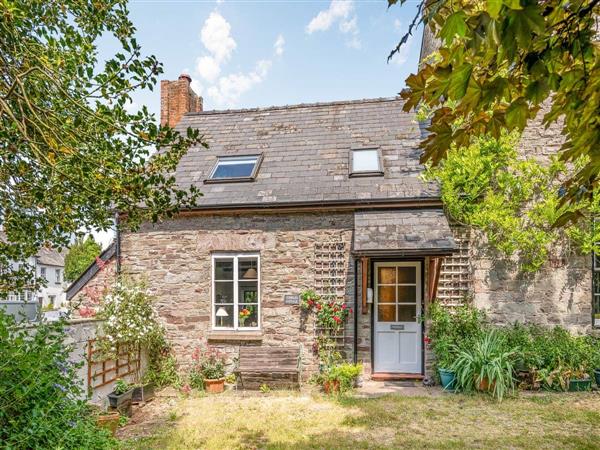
{"points": [[448, 379]]}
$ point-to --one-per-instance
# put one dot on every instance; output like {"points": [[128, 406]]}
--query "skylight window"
{"points": [[365, 162], [235, 168]]}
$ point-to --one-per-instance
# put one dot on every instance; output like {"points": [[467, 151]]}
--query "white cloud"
{"points": [[338, 9], [341, 11], [397, 24], [208, 68], [278, 45], [215, 35], [230, 88]]}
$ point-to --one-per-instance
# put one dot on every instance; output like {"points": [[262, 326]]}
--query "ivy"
{"points": [[513, 200]]}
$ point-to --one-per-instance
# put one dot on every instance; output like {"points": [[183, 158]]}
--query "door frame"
{"points": [[371, 284]]}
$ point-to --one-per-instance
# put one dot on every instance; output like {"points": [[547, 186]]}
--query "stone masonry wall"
{"points": [[175, 259]]}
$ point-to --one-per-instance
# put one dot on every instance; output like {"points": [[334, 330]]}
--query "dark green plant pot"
{"points": [[448, 379], [580, 385], [121, 402], [597, 377]]}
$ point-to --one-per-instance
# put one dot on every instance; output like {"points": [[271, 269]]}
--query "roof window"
{"points": [[235, 168], [365, 162]]}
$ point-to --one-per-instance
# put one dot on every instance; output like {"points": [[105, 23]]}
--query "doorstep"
{"points": [[394, 376]]}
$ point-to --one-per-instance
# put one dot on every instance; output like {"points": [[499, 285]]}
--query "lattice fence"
{"points": [[106, 371], [456, 275]]}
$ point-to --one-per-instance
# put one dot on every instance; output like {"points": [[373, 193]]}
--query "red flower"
{"points": [[344, 306], [427, 339], [337, 319], [318, 306], [196, 354]]}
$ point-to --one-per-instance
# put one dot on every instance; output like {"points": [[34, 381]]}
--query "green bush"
{"points": [[346, 374], [451, 331], [488, 365], [40, 405]]}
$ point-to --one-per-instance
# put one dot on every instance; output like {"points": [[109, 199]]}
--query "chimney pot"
{"points": [[185, 76]]}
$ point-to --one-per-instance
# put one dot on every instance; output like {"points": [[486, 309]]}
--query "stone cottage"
{"points": [[325, 196]]}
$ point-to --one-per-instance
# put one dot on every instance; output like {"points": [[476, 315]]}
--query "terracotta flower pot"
{"points": [[214, 386], [485, 386], [331, 387], [109, 421]]}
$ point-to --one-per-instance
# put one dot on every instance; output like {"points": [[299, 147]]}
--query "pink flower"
{"points": [[86, 311], [100, 262]]}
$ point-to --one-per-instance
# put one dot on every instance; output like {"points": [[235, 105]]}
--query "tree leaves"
{"points": [[498, 63]]}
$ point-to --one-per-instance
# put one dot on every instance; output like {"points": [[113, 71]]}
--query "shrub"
{"points": [[450, 331], [40, 397], [488, 365], [210, 363], [346, 374]]}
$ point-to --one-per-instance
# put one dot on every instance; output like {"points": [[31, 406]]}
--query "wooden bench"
{"points": [[276, 367]]}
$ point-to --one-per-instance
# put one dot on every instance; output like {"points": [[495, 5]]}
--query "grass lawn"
{"points": [[298, 421]]}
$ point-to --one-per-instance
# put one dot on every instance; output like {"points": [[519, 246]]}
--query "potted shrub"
{"points": [[211, 366], [579, 380], [341, 378], [486, 366], [108, 420], [120, 397]]}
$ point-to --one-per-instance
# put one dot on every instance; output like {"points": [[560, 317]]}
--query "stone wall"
{"points": [[175, 259], [91, 293]]}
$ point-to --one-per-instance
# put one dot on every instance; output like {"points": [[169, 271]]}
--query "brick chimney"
{"points": [[177, 98]]}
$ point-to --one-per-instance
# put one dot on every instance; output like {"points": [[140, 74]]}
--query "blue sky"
{"points": [[262, 53]]}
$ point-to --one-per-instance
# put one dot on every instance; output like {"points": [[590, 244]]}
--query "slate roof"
{"points": [[51, 257], [402, 232], [306, 153]]}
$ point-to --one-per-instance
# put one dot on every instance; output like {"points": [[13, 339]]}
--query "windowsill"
{"points": [[376, 173], [235, 335]]}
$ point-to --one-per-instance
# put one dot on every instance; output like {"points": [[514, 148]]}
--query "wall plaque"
{"points": [[397, 327], [291, 299]]}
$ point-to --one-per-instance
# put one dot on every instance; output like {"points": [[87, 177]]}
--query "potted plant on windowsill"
{"points": [[211, 365], [120, 397]]}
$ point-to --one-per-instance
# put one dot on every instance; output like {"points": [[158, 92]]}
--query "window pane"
{"points": [[223, 292], [224, 315], [235, 167], [407, 313], [407, 294], [407, 275], [386, 313], [248, 268], [387, 275], [224, 269], [248, 292], [248, 316], [387, 294], [365, 161]]}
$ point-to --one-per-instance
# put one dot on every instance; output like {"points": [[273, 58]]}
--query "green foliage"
{"points": [[121, 386], [196, 379], [553, 356], [514, 201], [70, 151], [345, 374], [39, 391], [497, 63], [451, 331], [81, 254], [162, 368], [486, 365], [264, 388]]}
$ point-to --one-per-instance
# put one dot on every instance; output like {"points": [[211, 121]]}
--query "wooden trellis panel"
{"points": [[456, 282], [101, 373], [331, 270]]}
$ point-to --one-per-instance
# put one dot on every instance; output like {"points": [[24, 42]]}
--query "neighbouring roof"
{"points": [[305, 152], [402, 232], [50, 257], [89, 273]]}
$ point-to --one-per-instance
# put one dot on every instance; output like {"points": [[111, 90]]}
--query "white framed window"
{"points": [[235, 291], [235, 168], [57, 272], [365, 161], [43, 273]]}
